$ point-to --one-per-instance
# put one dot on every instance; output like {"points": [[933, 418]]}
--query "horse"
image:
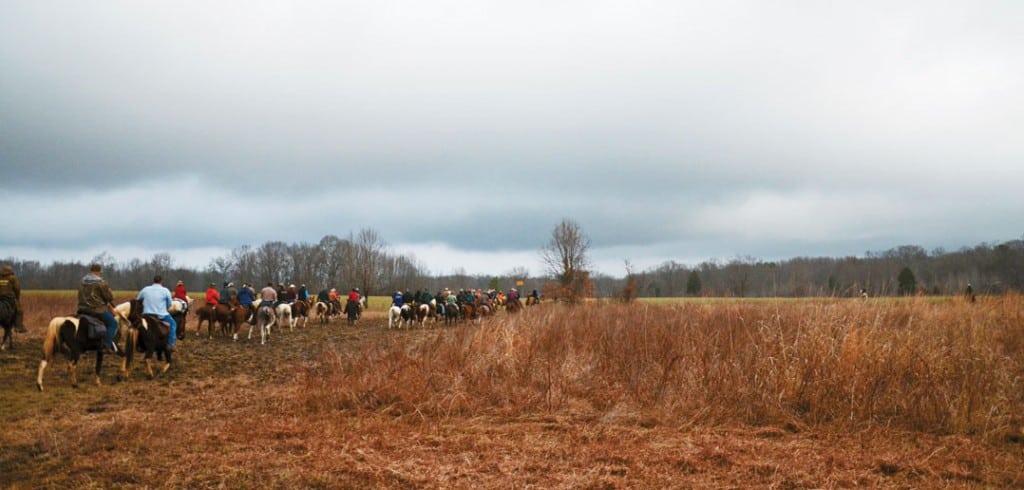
{"points": [[408, 315], [284, 314], [8, 312], [149, 336], [484, 310], [394, 316], [352, 311], [239, 316], [451, 314], [423, 312], [63, 333], [532, 301], [265, 318], [300, 311], [320, 312], [220, 313], [467, 311], [179, 311], [513, 306]]}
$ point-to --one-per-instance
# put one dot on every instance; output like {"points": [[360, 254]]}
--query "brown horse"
{"points": [[239, 316], [221, 313], [468, 311], [513, 306], [451, 314], [300, 311]]}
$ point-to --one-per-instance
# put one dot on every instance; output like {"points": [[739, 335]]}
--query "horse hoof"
{"points": [[40, 386]]}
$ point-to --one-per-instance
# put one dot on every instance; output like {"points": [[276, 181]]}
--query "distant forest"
{"points": [[363, 260]]}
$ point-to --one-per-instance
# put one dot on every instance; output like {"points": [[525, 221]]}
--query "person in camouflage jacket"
{"points": [[96, 299], [10, 291]]}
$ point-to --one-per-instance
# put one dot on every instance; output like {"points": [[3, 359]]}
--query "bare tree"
{"points": [[565, 258], [221, 267], [369, 254]]}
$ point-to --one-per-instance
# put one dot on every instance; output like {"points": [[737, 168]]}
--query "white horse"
{"points": [[265, 318], [179, 306], [284, 315], [394, 315]]}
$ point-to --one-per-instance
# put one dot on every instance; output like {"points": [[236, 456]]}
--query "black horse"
{"points": [[352, 310], [149, 335], [8, 313]]}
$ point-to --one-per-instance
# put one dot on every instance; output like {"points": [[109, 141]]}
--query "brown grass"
{"points": [[783, 394]]}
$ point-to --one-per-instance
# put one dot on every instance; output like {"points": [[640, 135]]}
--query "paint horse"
{"points": [[71, 335]]}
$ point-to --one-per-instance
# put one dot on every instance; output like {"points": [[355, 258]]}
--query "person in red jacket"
{"points": [[180, 292], [212, 296]]}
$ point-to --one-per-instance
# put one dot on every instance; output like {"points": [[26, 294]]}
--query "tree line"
{"points": [[908, 269], [364, 260]]}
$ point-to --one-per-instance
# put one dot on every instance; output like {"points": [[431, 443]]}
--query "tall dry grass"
{"points": [[943, 367]]}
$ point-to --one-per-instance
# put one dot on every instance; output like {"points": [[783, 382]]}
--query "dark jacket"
{"points": [[10, 287], [94, 295]]}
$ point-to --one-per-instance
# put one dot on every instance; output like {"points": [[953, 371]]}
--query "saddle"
{"points": [[163, 328], [95, 328]]}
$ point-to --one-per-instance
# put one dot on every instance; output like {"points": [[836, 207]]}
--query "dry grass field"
{"points": [[779, 394]]}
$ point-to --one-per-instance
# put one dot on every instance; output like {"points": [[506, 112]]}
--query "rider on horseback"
{"points": [[96, 300], [155, 301], [246, 296], [268, 296], [10, 292], [212, 296], [229, 295]]}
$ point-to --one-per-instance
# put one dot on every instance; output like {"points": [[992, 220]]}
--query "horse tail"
{"points": [[130, 344], [51, 342]]}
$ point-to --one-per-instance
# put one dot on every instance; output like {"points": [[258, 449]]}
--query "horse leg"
{"points": [[149, 362], [76, 353], [99, 364], [129, 353]]}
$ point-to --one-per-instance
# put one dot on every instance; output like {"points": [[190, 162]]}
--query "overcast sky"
{"points": [[463, 131]]}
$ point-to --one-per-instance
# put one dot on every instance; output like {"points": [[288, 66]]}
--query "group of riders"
{"points": [[447, 300], [248, 298], [95, 300]]}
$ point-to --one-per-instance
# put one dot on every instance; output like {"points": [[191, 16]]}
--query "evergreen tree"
{"points": [[693, 283], [907, 281]]}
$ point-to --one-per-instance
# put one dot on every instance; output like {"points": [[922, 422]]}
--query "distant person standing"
{"points": [[155, 301], [10, 293], [969, 293], [97, 300]]}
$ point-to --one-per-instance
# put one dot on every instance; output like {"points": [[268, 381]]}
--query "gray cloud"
{"points": [[667, 129]]}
